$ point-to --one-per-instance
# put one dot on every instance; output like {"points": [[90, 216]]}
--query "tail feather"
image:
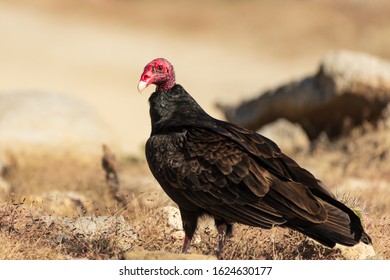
{"points": [[339, 227]]}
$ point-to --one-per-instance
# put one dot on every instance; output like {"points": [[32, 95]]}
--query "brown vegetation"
{"points": [[24, 235]]}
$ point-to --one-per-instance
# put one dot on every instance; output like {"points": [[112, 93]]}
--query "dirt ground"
{"points": [[222, 50]]}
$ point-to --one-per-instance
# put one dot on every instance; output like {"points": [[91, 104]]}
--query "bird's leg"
{"points": [[186, 244], [190, 223]]}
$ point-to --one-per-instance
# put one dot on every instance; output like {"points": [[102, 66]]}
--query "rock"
{"points": [[62, 202], [358, 73], [160, 255], [94, 229], [348, 90], [173, 224], [171, 216], [36, 122], [291, 138], [360, 251]]}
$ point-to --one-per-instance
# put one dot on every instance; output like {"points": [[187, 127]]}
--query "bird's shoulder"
{"points": [[200, 159], [227, 165], [262, 150]]}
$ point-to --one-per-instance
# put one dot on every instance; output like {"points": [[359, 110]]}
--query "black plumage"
{"points": [[211, 167]]}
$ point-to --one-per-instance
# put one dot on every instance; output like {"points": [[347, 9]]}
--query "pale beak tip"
{"points": [[141, 86]]}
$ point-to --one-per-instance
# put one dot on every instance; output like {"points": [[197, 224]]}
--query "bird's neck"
{"points": [[172, 108], [167, 85]]}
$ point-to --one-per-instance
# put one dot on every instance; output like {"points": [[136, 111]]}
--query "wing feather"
{"points": [[226, 180]]}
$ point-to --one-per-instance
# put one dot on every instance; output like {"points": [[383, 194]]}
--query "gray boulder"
{"points": [[348, 90], [291, 138], [94, 229], [47, 122], [62, 202]]}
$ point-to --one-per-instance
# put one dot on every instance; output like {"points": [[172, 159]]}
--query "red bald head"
{"points": [[158, 72]]}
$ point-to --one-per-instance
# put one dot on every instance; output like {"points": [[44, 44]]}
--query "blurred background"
{"points": [[69, 71], [94, 51]]}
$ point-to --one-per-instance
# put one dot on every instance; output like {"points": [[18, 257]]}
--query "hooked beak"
{"points": [[141, 86]]}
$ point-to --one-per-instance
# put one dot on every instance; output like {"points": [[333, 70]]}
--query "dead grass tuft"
{"points": [[24, 235]]}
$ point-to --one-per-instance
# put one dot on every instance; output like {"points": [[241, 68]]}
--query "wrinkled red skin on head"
{"points": [[159, 72]]}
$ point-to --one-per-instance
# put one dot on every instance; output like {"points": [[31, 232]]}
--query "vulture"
{"points": [[218, 169]]}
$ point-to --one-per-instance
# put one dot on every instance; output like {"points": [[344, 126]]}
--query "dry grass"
{"points": [[23, 238], [358, 177], [23, 235]]}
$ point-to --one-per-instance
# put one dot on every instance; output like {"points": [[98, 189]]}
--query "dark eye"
{"points": [[159, 68]]}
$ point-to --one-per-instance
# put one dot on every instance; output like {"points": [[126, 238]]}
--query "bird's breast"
{"points": [[162, 150], [167, 162]]}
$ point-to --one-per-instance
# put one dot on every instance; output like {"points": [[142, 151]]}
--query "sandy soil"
{"points": [[222, 50]]}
